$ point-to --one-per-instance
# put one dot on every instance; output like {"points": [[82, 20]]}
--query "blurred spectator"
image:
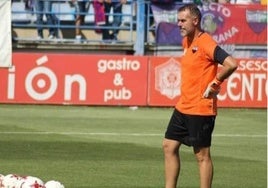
{"points": [[243, 2], [223, 1], [80, 10], [29, 4], [263, 2], [116, 5], [44, 7], [99, 14]]}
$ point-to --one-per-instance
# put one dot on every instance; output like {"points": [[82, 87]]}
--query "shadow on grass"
{"points": [[64, 150], [34, 150], [118, 164]]}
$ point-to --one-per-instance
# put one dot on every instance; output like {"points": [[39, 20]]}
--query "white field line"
{"points": [[124, 134]]}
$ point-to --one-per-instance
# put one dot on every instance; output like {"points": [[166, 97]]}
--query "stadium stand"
{"points": [[24, 28], [64, 11], [139, 34], [20, 14]]}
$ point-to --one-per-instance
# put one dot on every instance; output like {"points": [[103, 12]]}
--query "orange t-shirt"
{"points": [[198, 69]]}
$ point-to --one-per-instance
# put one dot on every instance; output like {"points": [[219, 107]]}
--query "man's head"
{"points": [[189, 18]]}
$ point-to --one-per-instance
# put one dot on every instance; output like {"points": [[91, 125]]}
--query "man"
{"points": [[192, 121]]}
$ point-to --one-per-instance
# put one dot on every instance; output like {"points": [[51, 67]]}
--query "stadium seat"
{"points": [[89, 18], [20, 14], [63, 11], [128, 14]]}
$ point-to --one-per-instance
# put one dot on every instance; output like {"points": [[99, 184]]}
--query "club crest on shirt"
{"points": [[194, 49]]}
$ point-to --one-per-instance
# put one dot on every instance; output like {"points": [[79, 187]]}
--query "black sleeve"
{"points": [[220, 54]]}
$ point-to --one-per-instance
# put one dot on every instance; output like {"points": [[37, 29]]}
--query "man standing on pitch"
{"points": [[193, 119]]}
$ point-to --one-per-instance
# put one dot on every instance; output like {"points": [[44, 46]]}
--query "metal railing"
{"points": [[137, 30], [66, 14]]}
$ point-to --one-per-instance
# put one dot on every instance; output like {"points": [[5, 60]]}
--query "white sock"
{"points": [[78, 37]]}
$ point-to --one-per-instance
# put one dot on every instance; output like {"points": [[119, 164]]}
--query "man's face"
{"points": [[187, 23]]}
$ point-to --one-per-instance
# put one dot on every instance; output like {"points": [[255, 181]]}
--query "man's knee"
{"points": [[202, 154], [170, 146]]}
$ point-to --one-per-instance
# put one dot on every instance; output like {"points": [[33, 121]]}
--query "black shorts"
{"points": [[191, 130]]}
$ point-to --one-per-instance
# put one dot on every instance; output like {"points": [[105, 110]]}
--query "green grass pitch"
{"points": [[116, 147]]}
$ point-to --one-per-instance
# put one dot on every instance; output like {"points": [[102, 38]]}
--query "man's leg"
{"points": [[205, 166], [106, 31], [39, 7], [78, 22], [117, 10], [80, 17], [172, 162]]}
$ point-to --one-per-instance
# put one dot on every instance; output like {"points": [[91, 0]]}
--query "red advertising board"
{"points": [[37, 78], [247, 87], [75, 79]]}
